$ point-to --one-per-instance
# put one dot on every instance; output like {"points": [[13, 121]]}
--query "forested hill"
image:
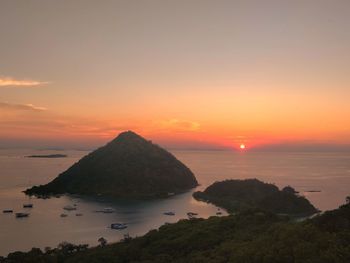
{"points": [[239, 195], [129, 167]]}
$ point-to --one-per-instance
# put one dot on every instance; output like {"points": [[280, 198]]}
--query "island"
{"points": [[48, 156], [249, 236], [240, 195], [127, 167]]}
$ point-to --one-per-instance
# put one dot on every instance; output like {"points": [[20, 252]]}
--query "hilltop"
{"points": [[129, 166]]}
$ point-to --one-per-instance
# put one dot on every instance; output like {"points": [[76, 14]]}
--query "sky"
{"points": [[193, 74]]}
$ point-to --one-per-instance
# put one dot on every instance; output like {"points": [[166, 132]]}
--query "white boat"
{"points": [[191, 215], [118, 226], [69, 208]]}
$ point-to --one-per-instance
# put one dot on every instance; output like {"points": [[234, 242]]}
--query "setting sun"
{"points": [[242, 146]]}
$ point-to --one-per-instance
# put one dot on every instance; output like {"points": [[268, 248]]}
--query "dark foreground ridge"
{"points": [[127, 167], [240, 195], [250, 237]]}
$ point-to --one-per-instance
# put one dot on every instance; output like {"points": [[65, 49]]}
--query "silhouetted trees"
{"points": [[239, 195], [102, 241]]}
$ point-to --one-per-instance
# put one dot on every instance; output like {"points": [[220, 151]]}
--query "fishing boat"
{"points": [[118, 226], [7, 211], [28, 206], [169, 213], [78, 214], [63, 215], [191, 215], [20, 215], [69, 208], [108, 210]]}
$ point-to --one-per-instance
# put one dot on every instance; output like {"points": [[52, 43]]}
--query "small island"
{"points": [[48, 156], [128, 167], [240, 195]]}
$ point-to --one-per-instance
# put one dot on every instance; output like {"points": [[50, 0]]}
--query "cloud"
{"points": [[10, 82], [25, 107], [179, 125]]}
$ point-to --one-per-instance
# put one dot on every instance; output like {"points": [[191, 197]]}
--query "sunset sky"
{"points": [[184, 73]]}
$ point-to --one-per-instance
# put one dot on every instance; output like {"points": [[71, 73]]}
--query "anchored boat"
{"points": [[118, 226], [69, 208], [169, 213], [20, 215]]}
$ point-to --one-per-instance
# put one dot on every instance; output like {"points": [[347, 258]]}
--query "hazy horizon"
{"points": [[187, 146]]}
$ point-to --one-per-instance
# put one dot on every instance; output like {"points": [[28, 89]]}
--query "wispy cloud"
{"points": [[26, 107], [7, 82], [179, 125]]}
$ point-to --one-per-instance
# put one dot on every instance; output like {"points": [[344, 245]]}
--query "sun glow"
{"points": [[242, 146]]}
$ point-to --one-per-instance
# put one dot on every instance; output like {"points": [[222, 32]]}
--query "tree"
{"points": [[347, 199], [102, 241]]}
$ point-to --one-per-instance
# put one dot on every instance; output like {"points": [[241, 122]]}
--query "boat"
{"points": [[63, 215], [20, 215], [108, 210], [69, 208], [191, 215], [78, 214], [28, 206], [118, 226], [218, 213], [7, 211], [169, 213]]}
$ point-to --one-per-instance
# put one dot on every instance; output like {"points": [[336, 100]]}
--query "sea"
{"points": [[322, 177]]}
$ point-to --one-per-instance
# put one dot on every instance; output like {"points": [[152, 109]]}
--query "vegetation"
{"points": [[250, 236], [239, 195], [128, 167]]}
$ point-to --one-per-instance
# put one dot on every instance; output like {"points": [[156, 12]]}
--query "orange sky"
{"points": [[187, 74]]}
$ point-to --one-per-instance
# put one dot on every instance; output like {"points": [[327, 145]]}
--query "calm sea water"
{"points": [[328, 173]]}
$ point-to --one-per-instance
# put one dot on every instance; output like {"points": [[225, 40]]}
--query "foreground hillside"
{"points": [[251, 236], [239, 195], [127, 167]]}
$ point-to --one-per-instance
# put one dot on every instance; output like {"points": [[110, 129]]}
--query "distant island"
{"points": [[240, 195], [48, 156], [127, 167]]}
